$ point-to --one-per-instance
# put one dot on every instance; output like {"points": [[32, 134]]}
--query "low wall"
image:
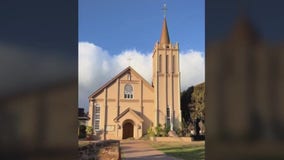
{"points": [[170, 139], [101, 150]]}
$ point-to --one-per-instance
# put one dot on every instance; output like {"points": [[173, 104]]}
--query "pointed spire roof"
{"points": [[165, 39]]}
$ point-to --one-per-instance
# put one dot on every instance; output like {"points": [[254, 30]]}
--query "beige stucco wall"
{"points": [[167, 83], [116, 104]]}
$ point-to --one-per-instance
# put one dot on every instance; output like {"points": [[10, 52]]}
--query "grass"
{"points": [[187, 151]]}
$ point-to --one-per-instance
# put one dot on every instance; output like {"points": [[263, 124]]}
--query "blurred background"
{"points": [[38, 95], [244, 79]]}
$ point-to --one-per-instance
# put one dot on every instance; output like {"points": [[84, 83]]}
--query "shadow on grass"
{"points": [[192, 152]]}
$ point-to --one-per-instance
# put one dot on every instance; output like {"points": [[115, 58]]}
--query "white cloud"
{"points": [[140, 62], [97, 66], [192, 68]]}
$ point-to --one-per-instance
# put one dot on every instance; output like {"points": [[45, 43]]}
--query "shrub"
{"points": [[178, 132], [159, 130], [150, 132], [89, 130], [82, 131], [162, 131], [191, 129], [166, 130], [202, 127]]}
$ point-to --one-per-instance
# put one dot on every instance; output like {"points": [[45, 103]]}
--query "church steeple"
{"points": [[165, 39], [166, 80]]}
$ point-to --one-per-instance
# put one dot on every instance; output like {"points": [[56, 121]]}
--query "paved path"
{"points": [[140, 150]]}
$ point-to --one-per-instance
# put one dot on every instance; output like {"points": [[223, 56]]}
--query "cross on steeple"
{"points": [[129, 60], [164, 9]]}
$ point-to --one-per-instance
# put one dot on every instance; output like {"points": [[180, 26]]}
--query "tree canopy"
{"points": [[197, 105], [192, 103]]}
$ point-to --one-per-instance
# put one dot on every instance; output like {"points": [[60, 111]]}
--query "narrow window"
{"points": [[167, 58], [168, 116], [97, 117], [160, 63], [173, 64], [128, 91]]}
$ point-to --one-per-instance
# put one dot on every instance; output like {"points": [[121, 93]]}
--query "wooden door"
{"points": [[127, 130]]}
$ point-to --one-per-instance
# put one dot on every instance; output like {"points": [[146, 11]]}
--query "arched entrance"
{"points": [[128, 128]]}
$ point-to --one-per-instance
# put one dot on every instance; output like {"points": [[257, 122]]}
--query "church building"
{"points": [[127, 105]]}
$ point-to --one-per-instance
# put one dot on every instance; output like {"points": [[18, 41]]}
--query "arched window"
{"points": [[128, 91]]}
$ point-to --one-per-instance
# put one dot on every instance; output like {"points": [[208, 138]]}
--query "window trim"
{"points": [[97, 117]]}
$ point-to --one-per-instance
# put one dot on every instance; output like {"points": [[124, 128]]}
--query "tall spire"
{"points": [[165, 39]]}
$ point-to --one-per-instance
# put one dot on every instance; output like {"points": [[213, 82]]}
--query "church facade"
{"points": [[127, 105]]}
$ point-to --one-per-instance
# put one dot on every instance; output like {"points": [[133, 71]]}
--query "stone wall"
{"points": [[101, 150], [171, 139]]}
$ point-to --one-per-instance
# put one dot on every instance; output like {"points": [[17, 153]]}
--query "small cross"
{"points": [[129, 60], [165, 9]]}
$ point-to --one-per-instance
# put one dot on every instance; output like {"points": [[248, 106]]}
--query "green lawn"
{"points": [[187, 151]]}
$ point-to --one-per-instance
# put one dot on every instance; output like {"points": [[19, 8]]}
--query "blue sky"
{"points": [[112, 31], [132, 24]]}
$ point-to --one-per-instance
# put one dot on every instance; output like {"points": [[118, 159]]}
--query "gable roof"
{"points": [[128, 69], [137, 115]]}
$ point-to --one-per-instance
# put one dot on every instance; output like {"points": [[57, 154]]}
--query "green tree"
{"points": [[82, 131], [193, 108], [185, 104], [197, 105]]}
